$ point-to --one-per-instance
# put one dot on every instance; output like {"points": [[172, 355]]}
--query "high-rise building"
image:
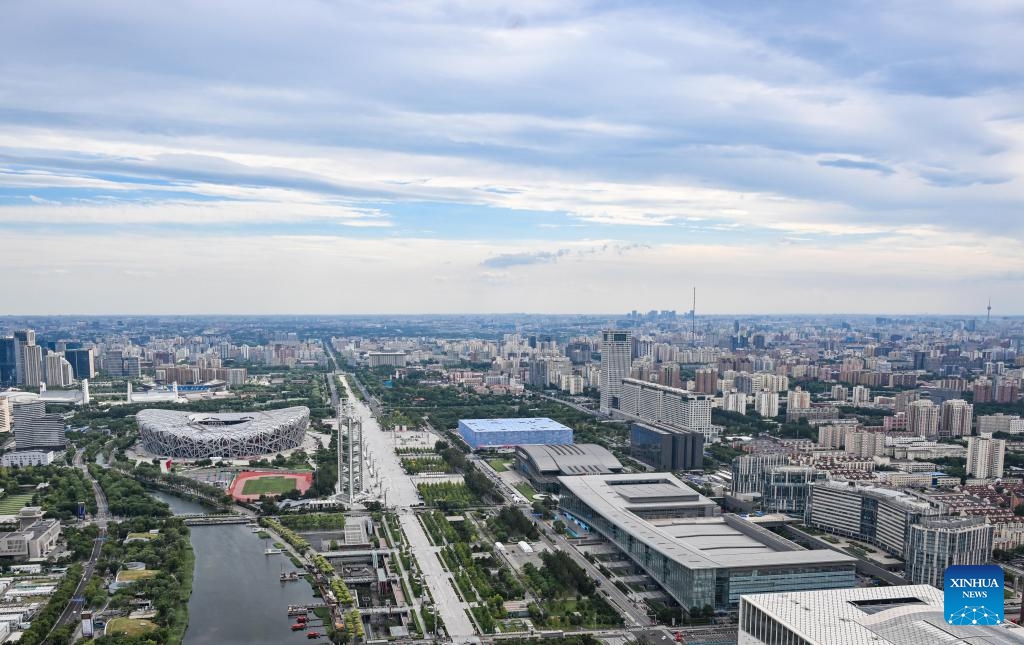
{"points": [[833, 436], [667, 405], [839, 393], [923, 418], [46, 431], [865, 444], [83, 362], [23, 411], [1008, 391], [5, 414], [876, 515], [934, 544], [58, 371], [982, 390], [616, 359], [798, 399], [749, 472], [1000, 423], [666, 448], [22, 338], [861, 395], [767, 404], [8, 361], [985, 457], [32, 365], [706, 380], [735, 402], [785, 488], [955, 418]]}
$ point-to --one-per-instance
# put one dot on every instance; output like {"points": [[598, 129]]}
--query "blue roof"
{"points": [[513, 425]]}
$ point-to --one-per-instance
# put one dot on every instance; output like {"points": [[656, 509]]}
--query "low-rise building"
{"points": [[28, 458], [35, 538]]}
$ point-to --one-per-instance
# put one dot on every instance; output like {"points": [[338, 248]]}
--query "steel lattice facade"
{"points": [[188, 435]]}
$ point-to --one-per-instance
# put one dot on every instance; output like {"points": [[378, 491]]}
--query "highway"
{"points": [[101, 518]]}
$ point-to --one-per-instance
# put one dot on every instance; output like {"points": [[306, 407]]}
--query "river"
{"points": [[237, 595]]}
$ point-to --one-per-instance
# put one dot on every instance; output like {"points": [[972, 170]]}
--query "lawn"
{"points": [[268, 486], [130, 626], [131, 575], [143, 536], [499, 465], [527, 491], [11, 504]]}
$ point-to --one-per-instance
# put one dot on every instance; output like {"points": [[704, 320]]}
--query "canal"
{"points": [[237, 594]]}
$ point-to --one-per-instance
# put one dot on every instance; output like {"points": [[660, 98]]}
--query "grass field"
{"points": [[11, 504], [143, 536], [131, 575], [268, 486], [498, 465], [130, 626], [527, 491]]}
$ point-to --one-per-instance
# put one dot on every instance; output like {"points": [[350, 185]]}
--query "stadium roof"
{"points": [[571, 459], [901, 615], [221, 424], [513, 425], [695, 543]]}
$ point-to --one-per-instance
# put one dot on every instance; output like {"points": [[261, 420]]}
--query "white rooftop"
{"points": [[903, 615]]}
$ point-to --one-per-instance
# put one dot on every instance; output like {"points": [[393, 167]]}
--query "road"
{"points": [[401, 493], [100, 520]]}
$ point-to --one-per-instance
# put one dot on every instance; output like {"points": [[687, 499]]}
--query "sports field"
{"points": [[11, 504], [268, 486], [249, 485]]}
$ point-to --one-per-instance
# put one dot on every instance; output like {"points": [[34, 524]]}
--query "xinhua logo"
{"points": [[973, 595]]}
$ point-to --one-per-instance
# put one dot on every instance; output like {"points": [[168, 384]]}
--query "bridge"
{"points": [[205, 519]]}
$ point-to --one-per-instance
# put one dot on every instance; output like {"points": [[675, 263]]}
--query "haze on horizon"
{"points": [[483, 156]]}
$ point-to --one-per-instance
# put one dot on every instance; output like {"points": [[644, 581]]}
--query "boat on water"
{"points": [[297, 610], [313, 634], [288, 576], [256, 529], [272, 551]]}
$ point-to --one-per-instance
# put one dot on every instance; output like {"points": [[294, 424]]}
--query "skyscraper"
{"points": [[32, 365], [8, 361], [58, 371], [985, 457], [83, 362], [706, 380], [935, 544], [616, 353]]}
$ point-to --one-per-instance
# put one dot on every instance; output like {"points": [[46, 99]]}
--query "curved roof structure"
{"points": [[571, 459], [190, 435]]}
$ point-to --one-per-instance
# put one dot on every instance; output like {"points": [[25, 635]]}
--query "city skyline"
{"points": [[486, 157]]}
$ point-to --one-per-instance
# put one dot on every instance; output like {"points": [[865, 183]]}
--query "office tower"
{"points": [[861, 395], [767, 404], [83, 362], [985, 457], [32, 365], [706, 380], [8, 361], [616, 359], [785, 488], [58, 371], [955, 418], [666, 448], [749, 472], [46, 431], [935, 544], [24, 411], [923, 418], [22, 339], [798, 399]]}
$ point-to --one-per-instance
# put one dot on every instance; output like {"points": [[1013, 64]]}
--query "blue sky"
{"points": [[461, 156]]}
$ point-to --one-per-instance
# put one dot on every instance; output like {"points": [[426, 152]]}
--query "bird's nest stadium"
{"points": [[188, 435]]}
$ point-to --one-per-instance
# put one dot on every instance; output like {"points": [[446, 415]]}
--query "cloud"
{"points": [[506, 260], [854, 164]]}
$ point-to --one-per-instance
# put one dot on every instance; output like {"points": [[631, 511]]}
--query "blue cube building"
{"points": [[499, 433]]}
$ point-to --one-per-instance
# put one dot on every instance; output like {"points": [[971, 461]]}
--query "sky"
{"points": [[463, 156]]}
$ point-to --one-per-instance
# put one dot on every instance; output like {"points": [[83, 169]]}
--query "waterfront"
{"points": [[237, 595]]}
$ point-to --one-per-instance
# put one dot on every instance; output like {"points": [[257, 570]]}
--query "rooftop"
{"points": [[903, 615], [722, 541], [513, 425], [571, 459]]}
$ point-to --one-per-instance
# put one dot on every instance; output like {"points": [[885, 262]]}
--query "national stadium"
{"points": [[189, 435]]}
